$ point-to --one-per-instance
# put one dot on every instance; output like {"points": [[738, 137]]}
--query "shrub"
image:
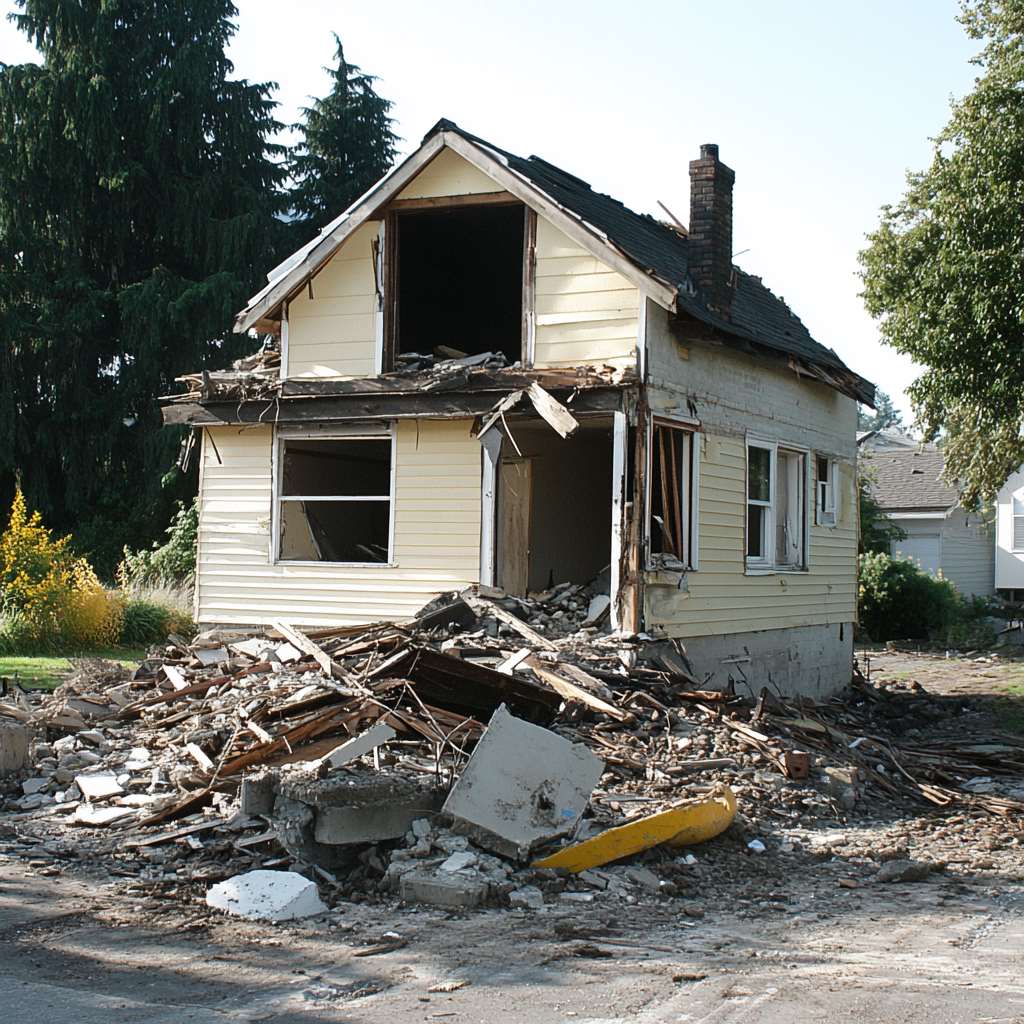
{"points": [[171, 564], [897, 601], [145, 622], [48, 596]]}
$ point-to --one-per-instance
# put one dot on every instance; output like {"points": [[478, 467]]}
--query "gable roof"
{"points": [[910, 481], [650, 254]]}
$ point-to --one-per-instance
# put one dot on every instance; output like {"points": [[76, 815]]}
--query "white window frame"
{"points": [[1015, 501], [826, 504], [766, 564], [357, 432], [690, 486]]}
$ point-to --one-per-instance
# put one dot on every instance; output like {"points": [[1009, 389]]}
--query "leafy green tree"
{"points": [[138, 197], [944, 271], [883, 416], [347, 142], [877, 530]]}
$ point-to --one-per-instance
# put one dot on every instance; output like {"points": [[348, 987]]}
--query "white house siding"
{"points": [[1009, 562], [448, 174], [436, 544], [968, 553], [734, 395], [586, 313], [332, 323]]}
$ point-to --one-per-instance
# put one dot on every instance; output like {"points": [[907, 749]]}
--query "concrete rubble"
{"points": [[436, 761], [267, 896]]}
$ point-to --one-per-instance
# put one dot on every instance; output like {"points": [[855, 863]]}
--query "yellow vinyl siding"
{"points": [[448, 174], [586, 313], [333, 334], [436, 544], [722, 597]]}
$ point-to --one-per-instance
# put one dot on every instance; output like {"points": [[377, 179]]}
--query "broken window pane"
{"points": [[790, 509], [671, 493], [335, 501], [756, 523]]}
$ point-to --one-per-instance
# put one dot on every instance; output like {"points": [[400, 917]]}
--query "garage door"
{"points": [[923, 549]]}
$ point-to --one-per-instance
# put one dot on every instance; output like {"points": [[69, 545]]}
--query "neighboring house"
{"points": [[711, 477], [885, 440], [1010, 538], [941, 536]]}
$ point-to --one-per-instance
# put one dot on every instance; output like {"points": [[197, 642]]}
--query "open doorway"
{"points": [[554, 514], [460, 280]]}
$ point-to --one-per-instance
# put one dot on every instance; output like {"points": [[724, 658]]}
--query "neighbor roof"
{"points": [[656, 250], [909, 481]]}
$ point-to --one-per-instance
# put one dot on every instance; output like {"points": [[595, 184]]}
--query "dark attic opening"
{"points": [[460, 281]]}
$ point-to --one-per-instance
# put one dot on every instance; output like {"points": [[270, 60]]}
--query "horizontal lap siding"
{"points": [[586, 314], [333, 334], [437, 534], [734, 395], [968, 553], [721, 597]]}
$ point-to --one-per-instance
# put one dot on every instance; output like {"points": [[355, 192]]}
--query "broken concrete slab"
{"points": [[362, 806], [87, 814], [447, 890], [522, 785], [357, 746], [15, 739], [267, 896], [904, 871], [99, 785]]}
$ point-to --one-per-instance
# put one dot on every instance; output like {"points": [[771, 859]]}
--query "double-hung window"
{"points": [[672, 526], [776, 506], [334, 499], [826, 507], [1018, 522]]}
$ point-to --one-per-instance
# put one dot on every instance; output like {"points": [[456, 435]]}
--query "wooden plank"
{"points": [[299, 639], [552, 411], [484, 607], [439, 202], [570, 691]]}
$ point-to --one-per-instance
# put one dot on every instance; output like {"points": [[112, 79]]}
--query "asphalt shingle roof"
{"points": [[909, 481], [757, 314]]}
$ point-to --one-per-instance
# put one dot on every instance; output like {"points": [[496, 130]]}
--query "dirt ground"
{"points": [[802, 932]]}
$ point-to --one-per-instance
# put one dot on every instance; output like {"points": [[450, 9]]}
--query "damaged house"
{"points": [[491, 374]]}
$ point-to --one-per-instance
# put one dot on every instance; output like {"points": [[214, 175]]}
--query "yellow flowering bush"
{"points": [[53, 595]]}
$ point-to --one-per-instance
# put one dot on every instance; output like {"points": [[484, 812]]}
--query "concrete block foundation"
{"points": [[802, 661]]}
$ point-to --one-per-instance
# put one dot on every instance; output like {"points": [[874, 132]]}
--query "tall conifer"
{"points": [[138, 192], [347, 141]]}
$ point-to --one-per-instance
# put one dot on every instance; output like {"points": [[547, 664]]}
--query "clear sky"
{"points": [[820, 107]]}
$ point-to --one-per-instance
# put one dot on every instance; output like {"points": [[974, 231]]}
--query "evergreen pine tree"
{"points": [[347, 141], [138, 192]]}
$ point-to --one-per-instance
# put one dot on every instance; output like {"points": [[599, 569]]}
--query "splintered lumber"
{"points": [[304, 644], [482, 606], [187, 805], [570, 691], [552, 411], [465, 688], [694, 821]]}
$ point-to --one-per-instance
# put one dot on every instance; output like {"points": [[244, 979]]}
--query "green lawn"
{"points": [[48, 670]]}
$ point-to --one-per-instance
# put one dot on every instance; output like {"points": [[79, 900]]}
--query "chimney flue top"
{"points": [[710, 240]]}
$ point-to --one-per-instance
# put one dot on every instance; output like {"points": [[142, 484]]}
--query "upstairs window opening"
{"points": [[460, 281]]}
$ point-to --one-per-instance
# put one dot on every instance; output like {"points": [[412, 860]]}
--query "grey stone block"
{"points": [[449, 891], [14, 743]]}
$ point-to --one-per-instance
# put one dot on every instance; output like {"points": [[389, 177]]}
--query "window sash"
{"points": [[769, 540], [1018, 531], [826, 506], [678, 490], [285, 434]]}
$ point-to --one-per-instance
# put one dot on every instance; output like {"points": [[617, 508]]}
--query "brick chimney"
{"points": [[710, 238]]}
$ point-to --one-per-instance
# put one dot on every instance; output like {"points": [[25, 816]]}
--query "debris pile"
{"points": [[495, 748]]}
